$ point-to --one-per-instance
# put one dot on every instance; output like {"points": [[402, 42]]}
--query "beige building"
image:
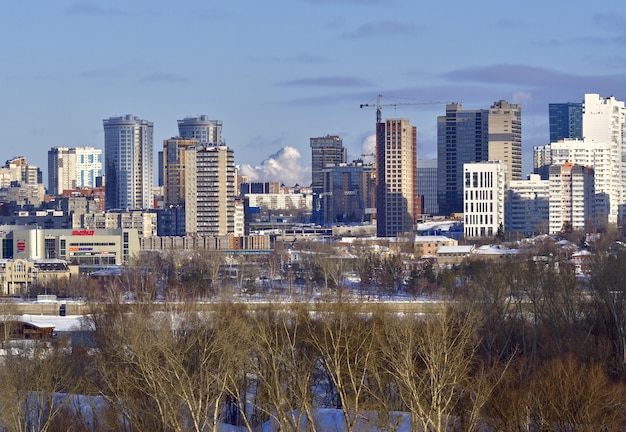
{"points": [[210, 191], [428, 245], [396, 171], [99, 247], [453, 255], [174, 169], [505, 137], [17, 275], [144, 222]]}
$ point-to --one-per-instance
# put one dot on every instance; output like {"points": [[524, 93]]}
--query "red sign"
{"points": [[21, 245], [82, 232]]}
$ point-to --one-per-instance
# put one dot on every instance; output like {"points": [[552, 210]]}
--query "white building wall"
{"points": [[484, 189]]}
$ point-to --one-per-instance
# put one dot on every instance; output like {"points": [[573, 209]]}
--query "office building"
{"points": [[572, 198], [505, 137], [349, 193], [207, 132], [468, 136], [566, 120], [128, 162], [427, 184], [396, 186], [73, 168], [325, 151], [528, 206], [462, 137], [484, 188]]}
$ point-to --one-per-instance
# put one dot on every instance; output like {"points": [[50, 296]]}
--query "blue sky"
{"points": [[282, 71]]}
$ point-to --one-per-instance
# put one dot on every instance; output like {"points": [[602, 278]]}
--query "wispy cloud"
{"points": [[91, 8], [382, 28], [533, 76], [304, 58], [336, 81], [162, 77]]}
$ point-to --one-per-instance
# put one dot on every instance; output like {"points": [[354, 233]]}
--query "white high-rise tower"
{"points": [[128, 162], [604, 120]]}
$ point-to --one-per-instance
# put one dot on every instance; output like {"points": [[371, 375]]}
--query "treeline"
{"points": [[520, 345]]}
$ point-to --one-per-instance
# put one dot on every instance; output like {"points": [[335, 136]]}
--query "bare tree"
{"points": [[431, 361], [283, 365], [344, 341], [35, 383]]}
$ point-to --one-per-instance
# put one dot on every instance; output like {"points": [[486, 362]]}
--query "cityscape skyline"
{"points": [[277, 74]]}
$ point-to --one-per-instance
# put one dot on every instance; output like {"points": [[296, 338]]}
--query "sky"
{"points": [[279, 72]]}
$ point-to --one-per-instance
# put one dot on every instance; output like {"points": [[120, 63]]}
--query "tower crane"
{"points": [[379, 106]]}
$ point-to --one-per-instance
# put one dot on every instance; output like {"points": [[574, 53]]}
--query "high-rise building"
{"points": [[73, 168], [325, 151], [566, 120], [462, 137], [128, 162], [396, 168], [468, 136], [349, 193], [210, 191], [205, 131], [597, 155], [505, 137], [484, 189], [21, 182], [427, 184], [604, 121], [542, 159], [19, 170], [174, 169], [572, 198]]}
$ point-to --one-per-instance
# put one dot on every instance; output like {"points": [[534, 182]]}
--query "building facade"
{"points": [[484, 188], [396, 185], [174, 169], [325, 151], [505, 137], [427, 184], [128, 153], [76, 246], [566, 120], [210, 191], [462, 137], [348, 193]]}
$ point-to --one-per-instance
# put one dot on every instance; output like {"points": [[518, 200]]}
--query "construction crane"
{"points": [[378, 106]]}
